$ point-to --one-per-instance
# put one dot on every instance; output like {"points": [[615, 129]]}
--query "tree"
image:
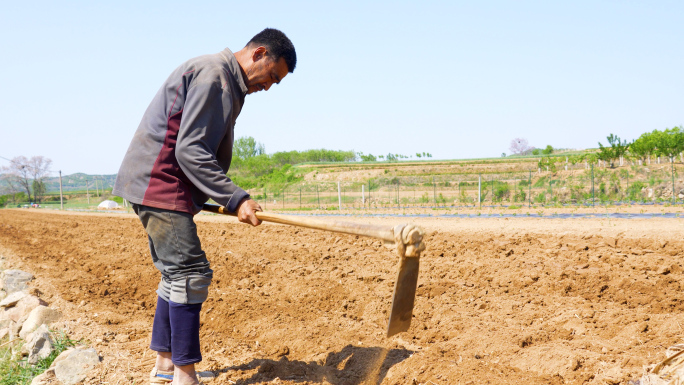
{"points": [[519, 146], [548, 150], [39, 190], [616, 150], [418, 154], [367, 158], [19, 173], [247, 147], [670, 142]]}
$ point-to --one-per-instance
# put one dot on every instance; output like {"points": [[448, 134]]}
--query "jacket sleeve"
{"points": [[203, 123]]}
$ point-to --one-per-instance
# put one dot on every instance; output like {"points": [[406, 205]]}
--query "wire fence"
{"points": [[590, 186], [579, 184]]}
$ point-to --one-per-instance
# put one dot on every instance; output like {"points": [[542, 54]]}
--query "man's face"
{"points": [[264, 72]]}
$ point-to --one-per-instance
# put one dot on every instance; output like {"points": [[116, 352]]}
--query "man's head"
{"points": [[267, 59]]}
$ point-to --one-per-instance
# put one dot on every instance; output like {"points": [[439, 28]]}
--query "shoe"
{"points": [[160, 377]]}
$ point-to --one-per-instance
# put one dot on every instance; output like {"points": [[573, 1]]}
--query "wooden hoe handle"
{"points": [[385, 233]]}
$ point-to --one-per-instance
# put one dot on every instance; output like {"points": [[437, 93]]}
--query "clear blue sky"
{"points": [[454, 78]]}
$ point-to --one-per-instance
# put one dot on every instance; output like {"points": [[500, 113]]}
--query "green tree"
{"points": [[39, 190], [616, 150], [247, 147]]}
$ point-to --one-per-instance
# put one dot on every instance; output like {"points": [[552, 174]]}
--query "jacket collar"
{"points": [[235, 70]]}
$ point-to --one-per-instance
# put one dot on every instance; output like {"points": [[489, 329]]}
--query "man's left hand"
{"points": [[247, 210]]}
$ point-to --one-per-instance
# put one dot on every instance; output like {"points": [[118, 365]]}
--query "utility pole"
{"points": [[97, 191], [87, 192], [61, 197]]}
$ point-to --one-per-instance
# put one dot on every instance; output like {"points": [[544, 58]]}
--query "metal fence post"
{"points": [[674, 200], [318, 196], [592, 185], [61, 197], [339, 197], [479, 190], [434, 191], [529, 190], [300, 197]]}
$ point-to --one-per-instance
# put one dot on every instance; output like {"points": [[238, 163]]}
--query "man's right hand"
{"points": [[246, 212]]}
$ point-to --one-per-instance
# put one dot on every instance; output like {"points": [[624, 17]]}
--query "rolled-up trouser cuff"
{"points": [[192, 289]]}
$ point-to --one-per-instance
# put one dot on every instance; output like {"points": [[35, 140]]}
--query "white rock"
{"points": [[45, 378], [61, 357], [38, 316], [39, 345], [4, 333], [15, 280], [3, 295], [12, 299], [24, 307], [74, 368]]}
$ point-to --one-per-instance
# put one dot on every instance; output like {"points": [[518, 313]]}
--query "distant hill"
{"points": [[74, 182]]}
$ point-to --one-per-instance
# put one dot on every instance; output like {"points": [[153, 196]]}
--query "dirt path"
{"points": [[518, 301]]}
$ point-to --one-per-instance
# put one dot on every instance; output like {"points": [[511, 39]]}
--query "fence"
{"points": [[581, 186]]}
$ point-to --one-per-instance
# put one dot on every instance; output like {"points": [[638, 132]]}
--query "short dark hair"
{"points": [[278, 46]]}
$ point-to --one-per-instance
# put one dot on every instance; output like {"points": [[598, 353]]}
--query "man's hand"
{"points": [[247, 210]]}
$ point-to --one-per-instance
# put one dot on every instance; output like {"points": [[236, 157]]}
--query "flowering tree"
{"points": [[519, 146]]}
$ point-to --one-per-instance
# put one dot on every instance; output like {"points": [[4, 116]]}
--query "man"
{"points": [[177, 160]]}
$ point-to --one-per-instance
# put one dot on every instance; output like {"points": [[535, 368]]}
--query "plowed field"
{"points": [[519, 301]]}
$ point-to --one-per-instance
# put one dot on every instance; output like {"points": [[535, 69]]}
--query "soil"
{"points": [[500, 301]]}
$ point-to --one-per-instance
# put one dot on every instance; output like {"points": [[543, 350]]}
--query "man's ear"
{"points": [[259, 53]]}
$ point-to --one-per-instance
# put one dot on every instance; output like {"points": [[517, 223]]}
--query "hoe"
{"points": [[407, 240]]}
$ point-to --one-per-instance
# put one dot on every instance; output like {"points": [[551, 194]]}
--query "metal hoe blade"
{"points": [[404, 296]]}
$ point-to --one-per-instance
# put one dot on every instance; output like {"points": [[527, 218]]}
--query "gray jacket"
{"points": [[180, 154]]}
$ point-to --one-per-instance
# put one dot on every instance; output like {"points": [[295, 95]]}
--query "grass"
{"points": [[15, 371]]}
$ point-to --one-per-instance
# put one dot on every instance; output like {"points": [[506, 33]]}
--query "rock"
{"points": [[47, 377], [61, 357], [75, 366], [38, 316], [206, 376], [4, 333], [3, 295], [122, 338], [12, 299], [39, 345], [15, 280], [24, 307]]}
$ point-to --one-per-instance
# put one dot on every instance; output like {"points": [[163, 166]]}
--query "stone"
{"points": [[24, 307], [38, 316], [206, 376], [3, 295], [12, 299], [4, 333], [15, 280], [61, 357], [39, 345], [75, 366], [47, 377]]}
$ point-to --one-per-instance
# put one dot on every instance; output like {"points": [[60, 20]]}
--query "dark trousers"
{"points": [[185, 278]]}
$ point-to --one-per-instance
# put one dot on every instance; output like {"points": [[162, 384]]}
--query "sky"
{"points": [[457, 79]]}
